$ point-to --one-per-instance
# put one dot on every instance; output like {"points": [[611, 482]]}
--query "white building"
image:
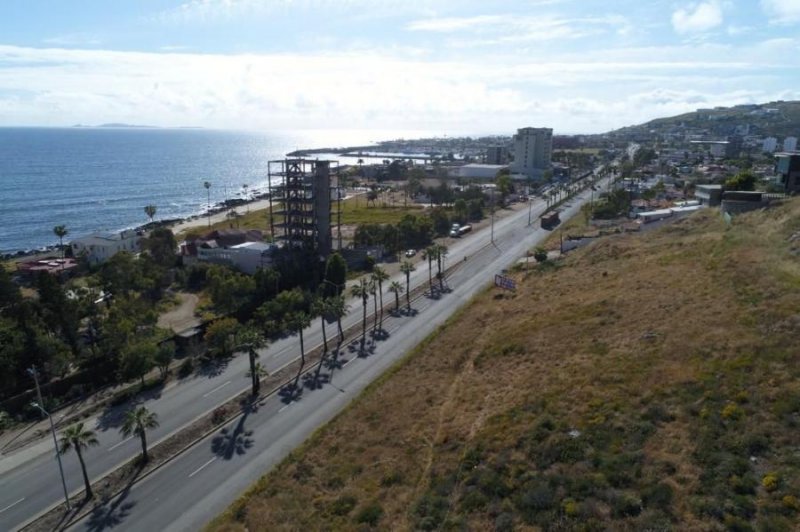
{"points": [[790, 144], [770, 145], [247, 257], [99, 247], [480, 171], [533, 149]]}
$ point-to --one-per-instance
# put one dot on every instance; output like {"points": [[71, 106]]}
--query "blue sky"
{"points": [[449, 66]]}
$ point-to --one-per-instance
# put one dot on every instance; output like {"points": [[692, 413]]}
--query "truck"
{"points": [[458, 230], [550, 219]]}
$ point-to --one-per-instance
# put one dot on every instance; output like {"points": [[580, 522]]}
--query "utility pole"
{"points": [[35, 374], [492, 232], [530, 208]]}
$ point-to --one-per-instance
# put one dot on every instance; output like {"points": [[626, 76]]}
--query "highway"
{"points": [[199, 484]]}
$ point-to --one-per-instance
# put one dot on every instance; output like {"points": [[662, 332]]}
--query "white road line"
{"points": [[221, 386], [346, 363], [196, 471], [285, 407], [120, 443], [12, 505]]}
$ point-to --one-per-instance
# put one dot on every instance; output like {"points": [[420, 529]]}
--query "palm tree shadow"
{"points": [[380, 335], [213, 368], [236, 442], [110, 515], [290, 393]]}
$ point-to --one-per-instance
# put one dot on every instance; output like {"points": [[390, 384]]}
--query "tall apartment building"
{"points": [[790, 144], [533, 149], [770, 145], [496, 155]]}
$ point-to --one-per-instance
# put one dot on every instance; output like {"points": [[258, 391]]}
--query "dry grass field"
{"points": [[645, 382]]}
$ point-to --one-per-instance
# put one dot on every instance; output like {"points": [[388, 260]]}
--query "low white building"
{"points": [[99, 247], [480, 171], [246, 257]]}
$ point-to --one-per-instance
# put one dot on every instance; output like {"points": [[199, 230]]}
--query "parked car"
{"points": [[411, 252]]}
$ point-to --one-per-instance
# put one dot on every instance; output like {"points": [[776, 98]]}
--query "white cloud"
{"points": [[375, 89], [782, 11], [698, 18], [74, 39]]}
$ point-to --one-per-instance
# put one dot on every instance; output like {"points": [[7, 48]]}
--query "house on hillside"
{"points": [[99, 247]]}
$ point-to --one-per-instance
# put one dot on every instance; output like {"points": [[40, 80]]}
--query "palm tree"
{"points": [[150, 211], [246, 197], [207, 184], [78, 438], [441, 254], [321, 307], [430, 254], [379, 275], [338, 308], [373, 290], [407, 267], [362, 290], [136, 423], [298, 321], [397, 289], [251, 340], [61, 231]]}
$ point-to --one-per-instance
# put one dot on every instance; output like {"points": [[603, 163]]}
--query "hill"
{"points": [[646, 382], [779, 119]]}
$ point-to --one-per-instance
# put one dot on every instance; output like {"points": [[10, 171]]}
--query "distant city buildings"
{"points": [[770, 145], [533, 150], [790, 144], [243, 250], [729, 148], [99, 247]]}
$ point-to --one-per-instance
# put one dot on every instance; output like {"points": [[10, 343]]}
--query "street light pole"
{"points": [[530, 207], [58, 455], [35, 374]]}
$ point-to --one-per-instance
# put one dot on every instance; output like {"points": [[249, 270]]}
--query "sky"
{"points": [[444, 66]]}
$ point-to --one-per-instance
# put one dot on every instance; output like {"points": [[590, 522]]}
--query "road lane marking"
{"points": [[196, 471], [221, 386], [120, 443], [12, 505], [285, 407]]}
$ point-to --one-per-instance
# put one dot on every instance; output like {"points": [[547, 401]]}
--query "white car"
{"points": [[411, 252]]}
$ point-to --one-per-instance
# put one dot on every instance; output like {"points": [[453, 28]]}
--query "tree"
{"points": [[220, 336], [137, 359], [150, 211], [338, 308], [164, 356], [441, 254], [504, 187], [430, 254], [137, 421], [298, 321], [60, 231], [460, 210], [335, 275], [379, 275], [362, 290], [251, 339], [540, 254], [162, 246], [407, 267], [744, 180], [207, 184], [396, 288], [321, 307], [78, 438]]}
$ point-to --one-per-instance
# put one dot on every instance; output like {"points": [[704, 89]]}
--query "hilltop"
{"points": [[781, 118], [647, 381]]}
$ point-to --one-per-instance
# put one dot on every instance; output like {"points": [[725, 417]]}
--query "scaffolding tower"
{"points": [[305, 204]]}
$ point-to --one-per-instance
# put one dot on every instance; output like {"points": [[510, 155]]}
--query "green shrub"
{"points": [[370, 514], [343, 505], [390, 479], [658, 495], [473, 500], [504, 522], [626, 505]]}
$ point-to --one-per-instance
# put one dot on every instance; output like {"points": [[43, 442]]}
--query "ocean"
{"points": [[100, 179]]}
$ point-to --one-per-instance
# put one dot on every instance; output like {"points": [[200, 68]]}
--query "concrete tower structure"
{"points": [[533, 149]]}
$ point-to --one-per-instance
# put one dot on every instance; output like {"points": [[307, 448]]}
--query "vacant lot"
{"points": [[648, 382]]}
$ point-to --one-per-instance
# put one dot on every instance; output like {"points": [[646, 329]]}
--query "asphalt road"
{"points": [[203, 481]]}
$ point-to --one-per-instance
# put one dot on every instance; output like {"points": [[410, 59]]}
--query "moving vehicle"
{"points": [[411, 252], [550, 219]]}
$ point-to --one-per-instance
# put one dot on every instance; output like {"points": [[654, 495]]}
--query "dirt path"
{"points": [[181, 317]]}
